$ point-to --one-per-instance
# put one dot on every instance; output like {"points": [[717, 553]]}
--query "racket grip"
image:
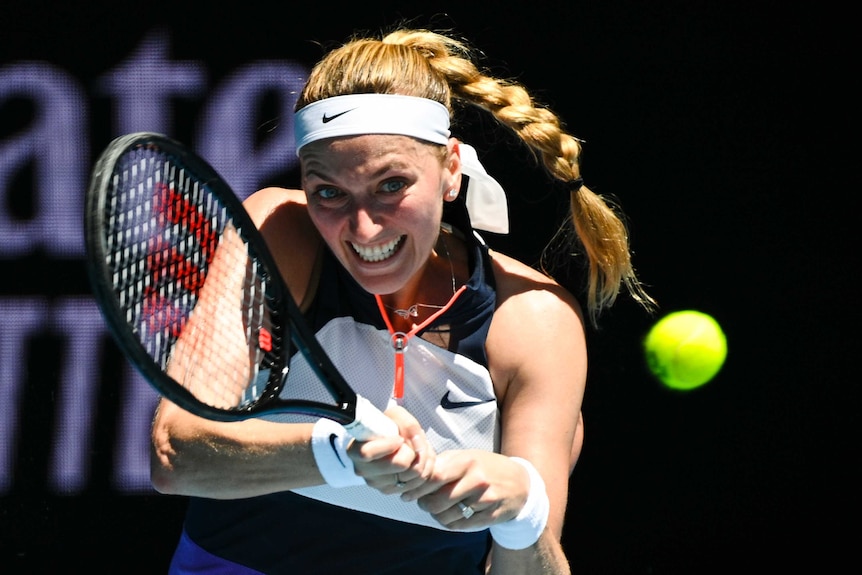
{"points": [[370, 422]]}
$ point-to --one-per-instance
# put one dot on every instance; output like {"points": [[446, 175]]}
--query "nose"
{"points": [[365, 224]]}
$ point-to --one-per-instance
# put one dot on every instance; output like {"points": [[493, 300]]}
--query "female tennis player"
{"points": [[482, 358]]}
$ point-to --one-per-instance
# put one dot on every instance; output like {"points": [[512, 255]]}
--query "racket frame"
{"points": [[347, 403]]}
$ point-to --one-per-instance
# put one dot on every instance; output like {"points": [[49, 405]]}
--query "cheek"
{"points": [[327, 226], [429, 217]]}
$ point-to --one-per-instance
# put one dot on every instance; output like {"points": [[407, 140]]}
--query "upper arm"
{"points": [[537, 354], [281, 215]]}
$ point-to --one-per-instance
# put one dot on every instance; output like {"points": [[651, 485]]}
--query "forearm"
{"points": [[545, 557], [193, 456]]}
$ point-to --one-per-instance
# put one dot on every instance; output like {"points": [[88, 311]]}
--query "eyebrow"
{"points": [[397, 165]]}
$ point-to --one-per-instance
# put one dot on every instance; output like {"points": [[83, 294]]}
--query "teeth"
{"points": [[377, 253]]}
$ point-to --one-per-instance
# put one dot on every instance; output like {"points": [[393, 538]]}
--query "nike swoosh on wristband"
{"points": [[332, 439], [327, 119], [447, 403]]}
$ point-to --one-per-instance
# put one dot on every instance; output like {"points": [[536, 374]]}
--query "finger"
{"points": [[449, 465], [416, 489], [464, 510], [408, 426], [444, 472], [388, 484], [460, 515], [426, 457], [414, 434], [379, 448]]}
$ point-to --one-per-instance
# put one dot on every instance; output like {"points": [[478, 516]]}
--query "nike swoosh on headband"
{"points": [[327, 119], [447, 403]]}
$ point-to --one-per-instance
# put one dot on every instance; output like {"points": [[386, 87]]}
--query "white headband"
{"points": [[356, 114]]}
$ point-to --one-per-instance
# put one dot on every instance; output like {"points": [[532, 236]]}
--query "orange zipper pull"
{"points": [[399, 343]]}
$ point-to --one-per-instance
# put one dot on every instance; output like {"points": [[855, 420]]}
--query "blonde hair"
{"points": [[417, 62]]}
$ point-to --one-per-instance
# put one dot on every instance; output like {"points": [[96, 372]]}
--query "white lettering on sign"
{"points": [[243, 127]]}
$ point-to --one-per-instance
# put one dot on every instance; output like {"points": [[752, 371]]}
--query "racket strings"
{"points": [[185, 278]]}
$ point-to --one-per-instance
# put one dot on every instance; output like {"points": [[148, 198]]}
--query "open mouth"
{"points": [[377, 253]]}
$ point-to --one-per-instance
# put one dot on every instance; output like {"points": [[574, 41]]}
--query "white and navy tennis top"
{"points": [[358, 530]]}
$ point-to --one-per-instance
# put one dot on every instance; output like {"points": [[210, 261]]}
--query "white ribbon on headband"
{"points": [[355, 114], [486, 200]]}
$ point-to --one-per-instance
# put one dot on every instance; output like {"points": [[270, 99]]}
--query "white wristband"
{"points": [[527, 527], [329, 441]]}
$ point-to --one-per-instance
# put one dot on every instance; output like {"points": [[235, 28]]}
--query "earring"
{"points": [[453, 193]]}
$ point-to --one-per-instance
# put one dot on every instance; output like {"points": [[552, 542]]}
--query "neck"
{"points": [[437, 284]]}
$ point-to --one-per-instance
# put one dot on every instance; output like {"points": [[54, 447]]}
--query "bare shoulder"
{"points": [[537, 327], [522, 285], [281, 215], [269, 201]]}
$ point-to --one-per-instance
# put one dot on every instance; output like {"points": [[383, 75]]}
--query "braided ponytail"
{"points": [[598, 227]]}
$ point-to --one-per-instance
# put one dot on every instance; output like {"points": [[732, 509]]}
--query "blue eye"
{"points": [[327, 193], [392, 186]]}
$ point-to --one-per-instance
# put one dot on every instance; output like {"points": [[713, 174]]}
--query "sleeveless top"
{"points": [[357, 529]]}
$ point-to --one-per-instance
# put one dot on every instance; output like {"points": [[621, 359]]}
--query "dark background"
{"points": [[722, 128]]}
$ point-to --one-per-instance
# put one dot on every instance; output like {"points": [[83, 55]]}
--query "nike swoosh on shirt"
{"points": [[327, 119], [447, 403]]}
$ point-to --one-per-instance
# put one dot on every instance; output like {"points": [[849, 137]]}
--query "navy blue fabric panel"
{"points": [[287, 533]]}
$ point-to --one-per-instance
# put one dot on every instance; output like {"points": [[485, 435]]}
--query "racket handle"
{"points": [[370, 422]]}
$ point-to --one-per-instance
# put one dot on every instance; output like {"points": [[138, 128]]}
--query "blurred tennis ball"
{"points": [[685, 349]]}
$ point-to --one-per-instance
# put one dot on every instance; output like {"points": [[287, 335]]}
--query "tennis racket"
{"points": [[192, 294]]}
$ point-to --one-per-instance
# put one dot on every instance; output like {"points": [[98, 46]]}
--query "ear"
{"points": [[452, 167]]}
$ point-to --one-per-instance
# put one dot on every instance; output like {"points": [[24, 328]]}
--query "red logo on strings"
{"points": [[264, 339], [167, 265]]}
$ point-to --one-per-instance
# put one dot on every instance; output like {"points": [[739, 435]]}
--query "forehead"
{"points": [[368, 148]]}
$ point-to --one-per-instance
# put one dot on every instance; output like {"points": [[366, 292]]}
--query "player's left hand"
{"points": [[472, 488], [395, 464]]}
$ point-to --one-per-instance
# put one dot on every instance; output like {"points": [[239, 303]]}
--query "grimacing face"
{"points": [[377, 201]]}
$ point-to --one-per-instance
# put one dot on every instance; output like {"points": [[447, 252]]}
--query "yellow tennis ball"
{"points": [[685, 349]]}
